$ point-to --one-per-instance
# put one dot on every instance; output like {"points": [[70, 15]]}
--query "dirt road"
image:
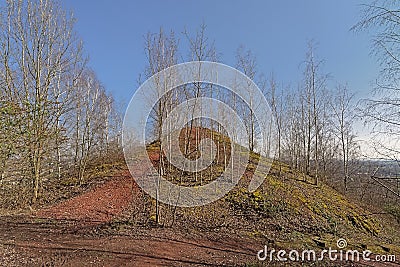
{"points": [[66, 235], [27, 242]]}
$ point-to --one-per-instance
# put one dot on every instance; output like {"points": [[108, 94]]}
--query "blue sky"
{"points": [[276, 31]]}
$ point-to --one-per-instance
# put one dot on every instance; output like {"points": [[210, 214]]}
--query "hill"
{"points": [[103, 227]]}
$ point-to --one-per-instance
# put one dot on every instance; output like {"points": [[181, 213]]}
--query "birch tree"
{"points": [[314, 83], [246, 62], [161, 52], [343, 119], [39, 44], [382, 19]]}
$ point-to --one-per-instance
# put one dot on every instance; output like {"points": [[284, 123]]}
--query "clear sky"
{"points": [[276, 31]]}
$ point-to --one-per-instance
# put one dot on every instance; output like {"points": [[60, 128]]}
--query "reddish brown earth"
{"points": [[98, 205], [38, 245], [30, 243], [70, 237]]}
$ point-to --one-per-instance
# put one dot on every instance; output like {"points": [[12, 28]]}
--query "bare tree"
{"points": [[246, 62], [39, 45], [161, 52], [92, 117], [343, 120], [200, 49], [314, 83], [383, 108], [277, 105]]}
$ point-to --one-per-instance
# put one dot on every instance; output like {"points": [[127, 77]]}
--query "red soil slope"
{"points": [[99, 205]]}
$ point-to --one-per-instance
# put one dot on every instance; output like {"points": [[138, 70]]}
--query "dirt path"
{"points": [[26, 242], [97, 206], [67, 239], [62, 244]]}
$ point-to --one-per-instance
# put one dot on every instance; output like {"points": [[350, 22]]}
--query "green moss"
{"points": [[366, 224], [257, 202], [70, 181]]}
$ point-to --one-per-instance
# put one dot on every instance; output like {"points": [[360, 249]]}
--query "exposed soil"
{"points": [[96, 206], [62, 235], [71, 233], [29, 243]]}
